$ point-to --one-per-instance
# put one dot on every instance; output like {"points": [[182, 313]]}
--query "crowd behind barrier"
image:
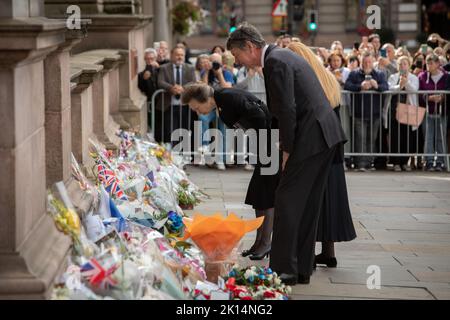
{"points": [[394, 105]]}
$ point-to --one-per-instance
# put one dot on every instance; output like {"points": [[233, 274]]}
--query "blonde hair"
{"points": [[407, 59], [329, 83], [228, 59]]}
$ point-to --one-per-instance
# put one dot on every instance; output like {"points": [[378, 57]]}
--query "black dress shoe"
{"points": [[302, 279], [329, 262], [260, 256], [288, 279]]}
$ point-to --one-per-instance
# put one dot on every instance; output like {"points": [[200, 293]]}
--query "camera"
{"points": [[356, 45], [216, 65], [368, 77]]}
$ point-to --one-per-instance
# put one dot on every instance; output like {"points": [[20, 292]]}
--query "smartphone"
{"points": [[216, 65], [402, 72], [356, 45], [424, 48], [383, 53]]}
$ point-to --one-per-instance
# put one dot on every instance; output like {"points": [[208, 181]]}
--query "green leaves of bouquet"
{"points": [[185, 197]]}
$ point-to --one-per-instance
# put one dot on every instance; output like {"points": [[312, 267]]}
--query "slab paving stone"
{"points": [[402, 223]]}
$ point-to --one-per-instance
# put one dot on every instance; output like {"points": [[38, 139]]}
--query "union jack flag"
{"points": [[109, 180], [97, 275]]}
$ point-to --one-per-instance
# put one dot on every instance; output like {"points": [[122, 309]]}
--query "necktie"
{"points": [[178, 75], [178, 79]]}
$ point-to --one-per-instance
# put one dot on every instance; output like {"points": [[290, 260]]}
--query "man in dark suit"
{"points": [[309, 134], [172, 77]]}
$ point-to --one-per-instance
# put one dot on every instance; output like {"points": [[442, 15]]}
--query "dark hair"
{"points": [[353, 58], [245, 32], [196, 91], [215, 47]]}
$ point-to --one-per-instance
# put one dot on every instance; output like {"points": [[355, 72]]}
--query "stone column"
{"points": [[57, 110], [31, 248], [82, 109], [117, 31], [162, 21]]}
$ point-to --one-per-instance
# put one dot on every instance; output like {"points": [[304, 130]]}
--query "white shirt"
{"points": [[176, 101], [263, 53]]}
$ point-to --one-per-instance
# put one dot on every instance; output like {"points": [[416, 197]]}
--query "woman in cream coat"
{"points": [[403, 138]]}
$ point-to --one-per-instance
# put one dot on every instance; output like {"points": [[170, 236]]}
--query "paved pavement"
{"points": [[402, 222]]}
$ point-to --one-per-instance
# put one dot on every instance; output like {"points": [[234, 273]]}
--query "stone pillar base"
{"points": [[135, 113], [29, 273]]}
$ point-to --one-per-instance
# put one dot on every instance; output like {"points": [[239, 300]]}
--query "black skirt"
{"points": [[335, 222], [261, 189]]}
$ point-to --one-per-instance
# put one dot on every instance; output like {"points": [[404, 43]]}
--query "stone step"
{"points": [[259, 10], [332, 10], [267, 3], [331, 29], [331, 19]]}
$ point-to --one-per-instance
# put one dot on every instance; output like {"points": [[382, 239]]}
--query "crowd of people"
{"points": [[364, 72]]}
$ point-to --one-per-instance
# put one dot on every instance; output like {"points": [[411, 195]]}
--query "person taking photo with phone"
{"points": [[387, 62], [367, 108]]}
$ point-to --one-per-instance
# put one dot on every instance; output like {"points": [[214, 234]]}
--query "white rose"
{"points": [[248, 274]]}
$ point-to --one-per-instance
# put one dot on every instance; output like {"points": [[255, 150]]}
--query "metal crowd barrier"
{"points": [[379, 134], [163, 127]]}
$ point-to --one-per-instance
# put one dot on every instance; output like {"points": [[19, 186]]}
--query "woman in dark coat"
{"points": [[240, 109], [335, 222]]}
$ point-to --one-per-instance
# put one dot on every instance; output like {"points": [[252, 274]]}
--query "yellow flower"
{"points": [[73, 220]]}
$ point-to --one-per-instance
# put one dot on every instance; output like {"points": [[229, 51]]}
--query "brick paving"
{"points": [[402, 222]]}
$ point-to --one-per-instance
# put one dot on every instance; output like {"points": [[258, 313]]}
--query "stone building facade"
{"points": [[60, 88]]}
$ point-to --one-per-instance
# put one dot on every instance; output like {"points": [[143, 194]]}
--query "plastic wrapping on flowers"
{"points": [[118, 251]]}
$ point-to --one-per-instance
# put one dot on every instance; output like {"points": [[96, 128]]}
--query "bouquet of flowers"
{"points": [[256, 283], [186, 198], [163, 155]]}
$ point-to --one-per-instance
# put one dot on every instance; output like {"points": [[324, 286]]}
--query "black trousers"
{"points": [[298, 201], [174, 118], [403, 140]]}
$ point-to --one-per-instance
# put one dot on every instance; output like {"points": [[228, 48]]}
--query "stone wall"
{"points": [[59, 88]]}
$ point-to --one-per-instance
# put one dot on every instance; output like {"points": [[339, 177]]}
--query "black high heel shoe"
{"points": [[259, 256], [248, 252], [329, 262]]}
